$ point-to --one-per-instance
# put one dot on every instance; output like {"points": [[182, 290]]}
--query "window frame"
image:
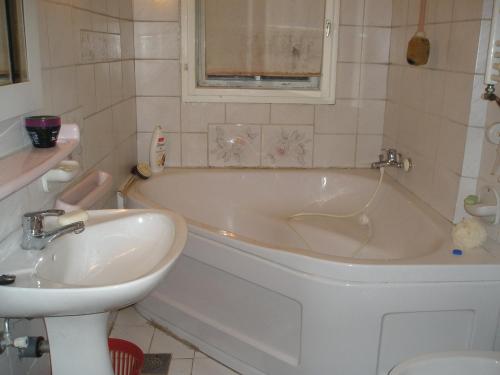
{"points": [[191, 92]]}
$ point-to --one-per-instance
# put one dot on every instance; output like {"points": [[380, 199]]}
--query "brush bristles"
{"points": [[418, 51]]}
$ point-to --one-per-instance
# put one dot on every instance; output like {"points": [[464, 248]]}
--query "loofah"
{"points": [[469, 234]]}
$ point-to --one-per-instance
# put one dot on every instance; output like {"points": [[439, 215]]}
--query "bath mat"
{"points": [[156, 363]]}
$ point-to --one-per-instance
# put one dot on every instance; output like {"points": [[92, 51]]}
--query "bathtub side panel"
{"points": [[262, 318]]}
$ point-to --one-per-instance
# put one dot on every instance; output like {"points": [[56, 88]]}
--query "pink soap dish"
{"points": [[85, 193]]}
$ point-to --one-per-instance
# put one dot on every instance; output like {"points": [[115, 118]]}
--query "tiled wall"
{"points": [[88, 81], [434, 113], [345, 135], [88, 78]]}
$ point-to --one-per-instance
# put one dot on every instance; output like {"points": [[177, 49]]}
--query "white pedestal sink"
{"points": [[75, 281]]}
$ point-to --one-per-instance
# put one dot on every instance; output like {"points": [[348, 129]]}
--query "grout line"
{"points": [[151, 340]]}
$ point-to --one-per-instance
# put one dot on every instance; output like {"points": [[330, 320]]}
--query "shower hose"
{"points": [[357, 212]]}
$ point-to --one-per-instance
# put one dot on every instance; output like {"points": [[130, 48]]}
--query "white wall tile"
{"points": [[371, 116], [60, 35], [152, 111], [153, 10], [378, 12], [351, 12], [128, 72], [157, 78], [340, 118], [194, 150], [467, 10], [98, 140], [102, 86], [399, 12], [116, 81], [157, 40], [376, 44], [367, 150], [64, 89], [334, 150], [439, 11], [464, 42], [292, 114], [197, 116], [457, 96], [348, 76], [373, 81], [86, 89], [350, 43], [127, 39], [248, 113], [124, 120]]}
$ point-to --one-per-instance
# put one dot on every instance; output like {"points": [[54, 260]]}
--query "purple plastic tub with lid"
{"points": [[43, 130]]}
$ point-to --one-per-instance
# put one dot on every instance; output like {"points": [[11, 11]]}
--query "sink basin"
{"points": [[76, 280], [116, 261]]}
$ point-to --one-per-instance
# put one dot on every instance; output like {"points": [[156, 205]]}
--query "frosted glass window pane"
{"points": [[280, 38]]}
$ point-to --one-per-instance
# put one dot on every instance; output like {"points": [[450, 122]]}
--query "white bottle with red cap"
{"points": [[157, 151]]}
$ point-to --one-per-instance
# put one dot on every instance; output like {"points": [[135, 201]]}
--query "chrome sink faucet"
{"points": [[34, 235], [392, 158]]}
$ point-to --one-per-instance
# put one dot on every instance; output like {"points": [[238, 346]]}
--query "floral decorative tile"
{"points": [[234, 145], [287, 146]]}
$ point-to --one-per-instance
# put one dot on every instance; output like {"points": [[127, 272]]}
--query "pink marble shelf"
{"points": [[25, 166]]}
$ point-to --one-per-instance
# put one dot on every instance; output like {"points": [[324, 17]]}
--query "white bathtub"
{"points": [[266, 295]]}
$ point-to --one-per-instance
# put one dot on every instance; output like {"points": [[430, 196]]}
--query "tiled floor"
{"points": [[131, 326]]}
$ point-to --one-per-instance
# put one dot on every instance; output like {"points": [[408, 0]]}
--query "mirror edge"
{"points": [[21, 98]]}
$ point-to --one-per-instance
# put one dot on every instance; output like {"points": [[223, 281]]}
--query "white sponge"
{"points": [[469, 234], [73, 217]]}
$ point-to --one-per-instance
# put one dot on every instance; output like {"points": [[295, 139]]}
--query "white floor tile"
{"points": [[163, 343], [200, 355], [140, 336], [180, 367], [130, 317], [207, 366]]}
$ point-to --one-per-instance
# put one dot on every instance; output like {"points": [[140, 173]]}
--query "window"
{"points": [[261, 51]]}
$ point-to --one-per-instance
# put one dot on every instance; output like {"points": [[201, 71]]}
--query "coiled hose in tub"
{"points": [[343, 216]]}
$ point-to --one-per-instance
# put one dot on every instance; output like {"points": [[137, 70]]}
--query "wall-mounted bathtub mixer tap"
{"points": [[34, 235], [392, 158]]}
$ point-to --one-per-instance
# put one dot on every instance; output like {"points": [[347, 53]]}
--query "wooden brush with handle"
{"points": [[419, 46]]}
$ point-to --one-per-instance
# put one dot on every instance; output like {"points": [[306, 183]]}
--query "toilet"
{"points": [[451, 363]]}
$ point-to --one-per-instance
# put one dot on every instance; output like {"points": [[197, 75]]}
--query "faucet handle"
{"points": [[393, 155], [33, 221], [44, 213]]}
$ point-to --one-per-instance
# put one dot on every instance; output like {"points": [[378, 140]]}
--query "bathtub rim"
{"points": [[437, 266]]}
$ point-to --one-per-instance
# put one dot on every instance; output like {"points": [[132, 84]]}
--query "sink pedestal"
{"points": [[79, 344]]}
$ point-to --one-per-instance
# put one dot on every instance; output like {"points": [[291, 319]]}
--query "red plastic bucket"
{"points": [[126, 357]]}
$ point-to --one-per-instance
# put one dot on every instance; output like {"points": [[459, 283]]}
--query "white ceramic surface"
{"points": [[265, 296], [116, 261], [86, 193], [452, 363]]}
